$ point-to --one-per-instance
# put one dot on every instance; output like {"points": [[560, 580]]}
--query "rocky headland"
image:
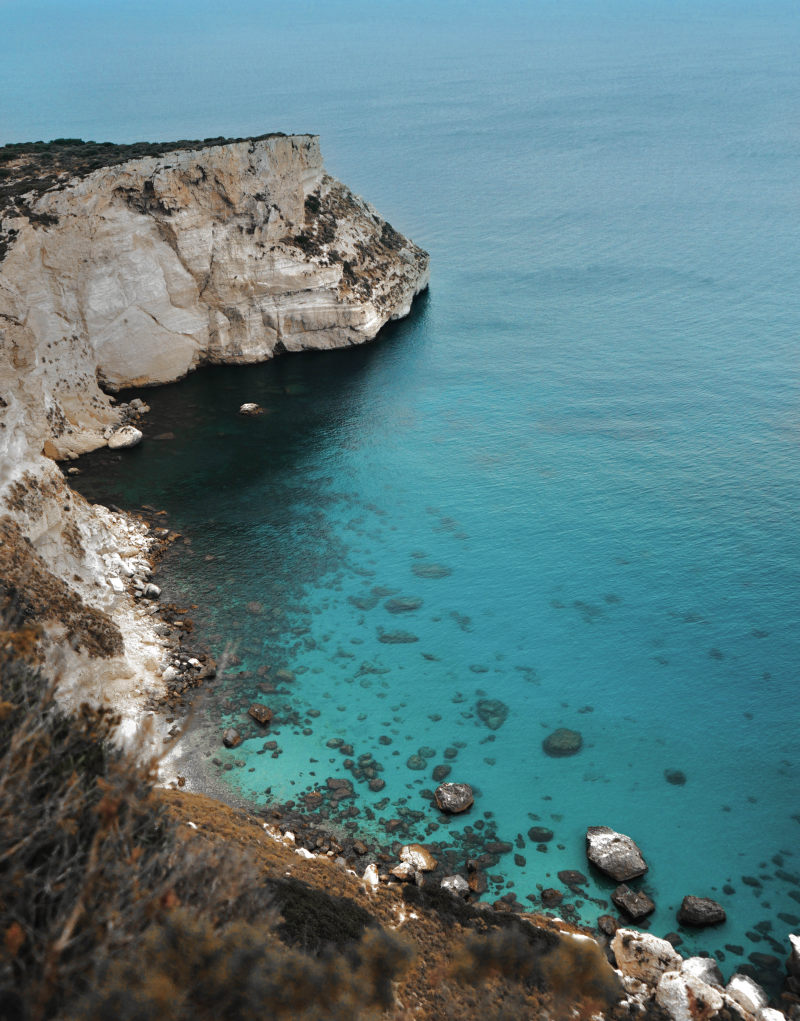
{"points": [[127, 266]]}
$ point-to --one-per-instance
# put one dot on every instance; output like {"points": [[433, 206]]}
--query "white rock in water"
{"points": [[704, 968], [151, 591], [770, 1014], [747, 993], [793, 963], [125, 437], [644, 957], [687, 998], [614, 853], [251, 409]]}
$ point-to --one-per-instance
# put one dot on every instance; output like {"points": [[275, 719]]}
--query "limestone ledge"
{"points": [[136, 274]]}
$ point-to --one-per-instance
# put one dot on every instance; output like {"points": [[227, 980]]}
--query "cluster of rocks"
{"points": [[654, 974]]}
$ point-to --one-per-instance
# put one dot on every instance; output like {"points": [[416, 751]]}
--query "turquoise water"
{"points": [[591, 421]]}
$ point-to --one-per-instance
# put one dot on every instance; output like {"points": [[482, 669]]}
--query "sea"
{"points": [[563, 493]]}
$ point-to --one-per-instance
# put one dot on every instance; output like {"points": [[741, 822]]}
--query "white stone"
{"points": [[169, 674], [746, 993], [404, 872], [116, 584], [770, 1014], [151, 591], [456, 885], [125, 437], [371, 878], [643, 956], [251, 409], [687, 998], [704, 968]]}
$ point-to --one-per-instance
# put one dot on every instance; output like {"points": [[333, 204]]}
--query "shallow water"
{"points": [[590, 421]]}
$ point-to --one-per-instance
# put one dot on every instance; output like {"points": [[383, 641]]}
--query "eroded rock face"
{"points": [[614, 853]]}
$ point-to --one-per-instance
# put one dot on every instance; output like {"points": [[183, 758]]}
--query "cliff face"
{"points": [[137, 273]]}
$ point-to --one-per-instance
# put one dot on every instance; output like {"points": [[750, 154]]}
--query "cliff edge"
{"points": [[118, 272]]}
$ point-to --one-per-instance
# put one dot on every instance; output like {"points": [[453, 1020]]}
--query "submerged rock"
{"points": [[431, 570], [397, 637], [125, 437], [675, 776], [562, 742], [492, 712], [454, 797], [614, 854], [700, 912], [403, 604]]}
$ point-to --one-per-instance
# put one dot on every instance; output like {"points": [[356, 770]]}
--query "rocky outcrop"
{"points": [[137, 273]]}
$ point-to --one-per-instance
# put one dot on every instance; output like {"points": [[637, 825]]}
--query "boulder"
{"points": [[151, 591], [492, 712], [747, 993], [125, 437], [419, 857], [562, 742], [404, 872], [700, 912], [633, 902], [454, 797], [551, 898], [704, 968], [260, 713], [251, 409], [641, 956], [231, 738], [614, 853], [685, 997], [456, 885]]}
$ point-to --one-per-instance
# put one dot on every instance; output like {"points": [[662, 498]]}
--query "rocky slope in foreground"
{"points": [[117, 272]]}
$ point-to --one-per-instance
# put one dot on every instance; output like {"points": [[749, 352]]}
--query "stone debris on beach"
{"points": [[614, 854], [454, 797], [700, 912], [562, 743]]}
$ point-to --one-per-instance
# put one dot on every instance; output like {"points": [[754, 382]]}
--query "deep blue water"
{"points": [[591, 419]]}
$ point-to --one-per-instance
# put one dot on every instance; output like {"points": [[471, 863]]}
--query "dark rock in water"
{"points": [[519, 861], [492, 712], [700, 911], [376, 784], [425, 752], [231, 738], [674, 938], [450, 753], [614, 854], [478, 882], [431, 570], [551, 898], [260, 713], [540, 834], [735, 948], [454, 797], [397, 637], [359, 847], [675, 776], [633, 902], [562, 742], [403, 604], [441, 773], [416, 762], [571, 878], [607, 924], [366, 602]]}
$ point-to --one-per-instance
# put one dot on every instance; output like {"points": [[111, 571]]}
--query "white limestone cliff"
{"points": [[135, 274]]}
